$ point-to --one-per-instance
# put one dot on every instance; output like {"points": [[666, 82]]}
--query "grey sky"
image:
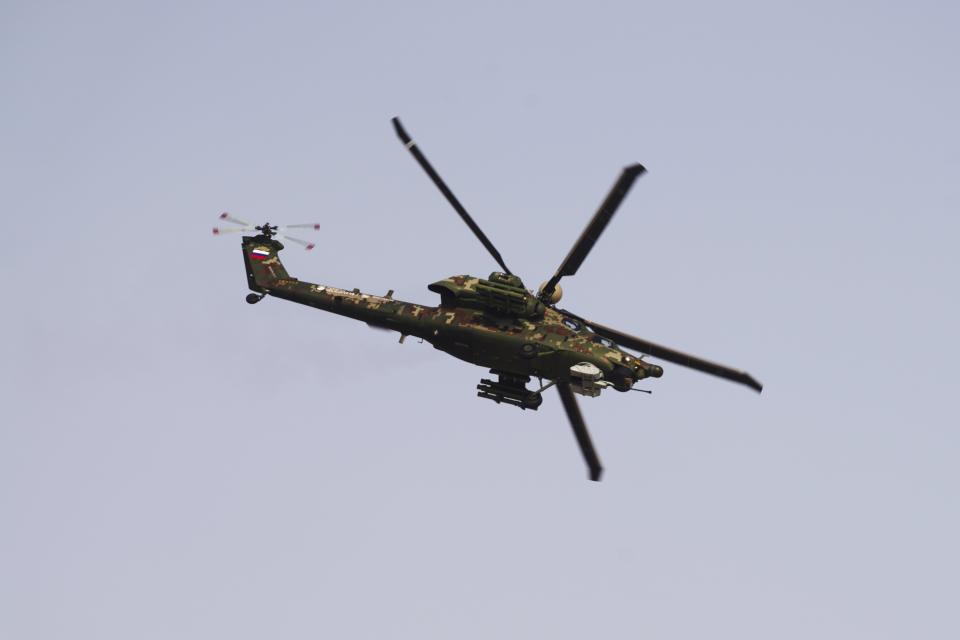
{"points": [[177, 464]]}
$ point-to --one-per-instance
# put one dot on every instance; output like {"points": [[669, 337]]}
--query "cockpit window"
{"points": [[570, 323], [607, 342]]}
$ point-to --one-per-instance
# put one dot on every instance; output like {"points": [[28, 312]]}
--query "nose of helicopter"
{"points": [[623, 378]]}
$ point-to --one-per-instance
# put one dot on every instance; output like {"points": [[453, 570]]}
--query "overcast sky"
{"points": [[177, 464]]}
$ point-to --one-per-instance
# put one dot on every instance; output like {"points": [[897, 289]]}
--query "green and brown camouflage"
{"points": [[494, 322]]}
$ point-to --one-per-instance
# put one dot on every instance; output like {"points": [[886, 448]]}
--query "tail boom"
{"points": [[266, 275]]}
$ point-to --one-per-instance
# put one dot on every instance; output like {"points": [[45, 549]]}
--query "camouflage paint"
{"points": [[494, 323]]}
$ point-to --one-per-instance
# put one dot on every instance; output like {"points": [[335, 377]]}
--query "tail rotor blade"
{"points": [[306, 245], [220, 230], [228, 218], [445, 190], [580, 430]]}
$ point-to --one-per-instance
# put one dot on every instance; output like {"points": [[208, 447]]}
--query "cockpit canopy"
{"points": [[607, 342]]}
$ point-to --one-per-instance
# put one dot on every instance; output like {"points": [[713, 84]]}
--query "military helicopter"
{"points": [[493, 322]]}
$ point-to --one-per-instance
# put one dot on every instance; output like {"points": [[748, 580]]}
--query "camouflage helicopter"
{"points": [[493, 322]]}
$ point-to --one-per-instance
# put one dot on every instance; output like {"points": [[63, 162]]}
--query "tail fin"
{"points": [[263, 264]]}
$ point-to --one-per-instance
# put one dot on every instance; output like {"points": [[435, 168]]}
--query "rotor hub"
{"points": [[554, 296]]}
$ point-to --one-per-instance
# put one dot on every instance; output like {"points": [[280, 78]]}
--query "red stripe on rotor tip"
{"points": [[316, 227], [216, 231], [310, 246], [223, 216]]}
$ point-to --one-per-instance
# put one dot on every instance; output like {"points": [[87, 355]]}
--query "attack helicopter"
{"points": [[494, 322]]}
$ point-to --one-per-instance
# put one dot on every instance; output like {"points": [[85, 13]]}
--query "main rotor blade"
{"points": [[592, 232], [580, 430], [445, 190], [677, 357]]}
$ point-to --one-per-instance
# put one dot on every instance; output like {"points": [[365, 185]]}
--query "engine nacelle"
{"points": [[502, 294]]}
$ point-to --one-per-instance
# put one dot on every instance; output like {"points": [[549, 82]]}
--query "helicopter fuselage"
{"points": [[487, 322], [493, 322]]}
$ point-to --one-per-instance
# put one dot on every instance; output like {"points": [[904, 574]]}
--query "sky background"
{"points": [[177, 464]]}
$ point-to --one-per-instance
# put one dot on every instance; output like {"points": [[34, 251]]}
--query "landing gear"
{"points": [[254, 298], [510, 389]]}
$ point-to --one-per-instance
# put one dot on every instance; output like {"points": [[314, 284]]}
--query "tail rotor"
{"points": [[266, 229]]}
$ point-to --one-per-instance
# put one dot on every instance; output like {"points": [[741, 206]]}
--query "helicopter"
{"points": [[494, 322]]}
